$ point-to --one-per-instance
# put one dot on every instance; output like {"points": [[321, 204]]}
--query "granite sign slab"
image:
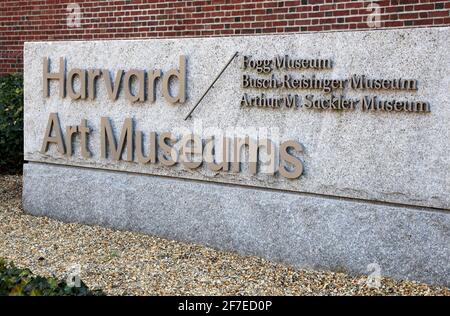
{"points": [[359, 116]]}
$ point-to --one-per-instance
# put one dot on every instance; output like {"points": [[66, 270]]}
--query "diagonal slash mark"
{"points": [[212, 84]]}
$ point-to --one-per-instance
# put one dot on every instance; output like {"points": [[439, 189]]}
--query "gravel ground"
{"points": [[124, 263]]}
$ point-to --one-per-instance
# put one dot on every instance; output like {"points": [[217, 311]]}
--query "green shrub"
{"points": [[21, 282], [11, 123]]}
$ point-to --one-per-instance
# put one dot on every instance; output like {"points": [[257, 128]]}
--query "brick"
{"points": [[39, 20]]}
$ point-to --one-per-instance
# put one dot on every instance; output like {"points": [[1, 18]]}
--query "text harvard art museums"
{"points": [[273, 83]]}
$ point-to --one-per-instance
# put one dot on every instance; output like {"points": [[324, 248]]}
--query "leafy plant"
{"points": [[11, 123], [22, 282]]}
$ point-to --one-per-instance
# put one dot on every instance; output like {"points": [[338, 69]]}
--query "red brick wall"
{"points": [[40, 20]]}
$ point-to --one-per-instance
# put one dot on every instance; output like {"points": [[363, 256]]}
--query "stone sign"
{"points": [[324, 150]]}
